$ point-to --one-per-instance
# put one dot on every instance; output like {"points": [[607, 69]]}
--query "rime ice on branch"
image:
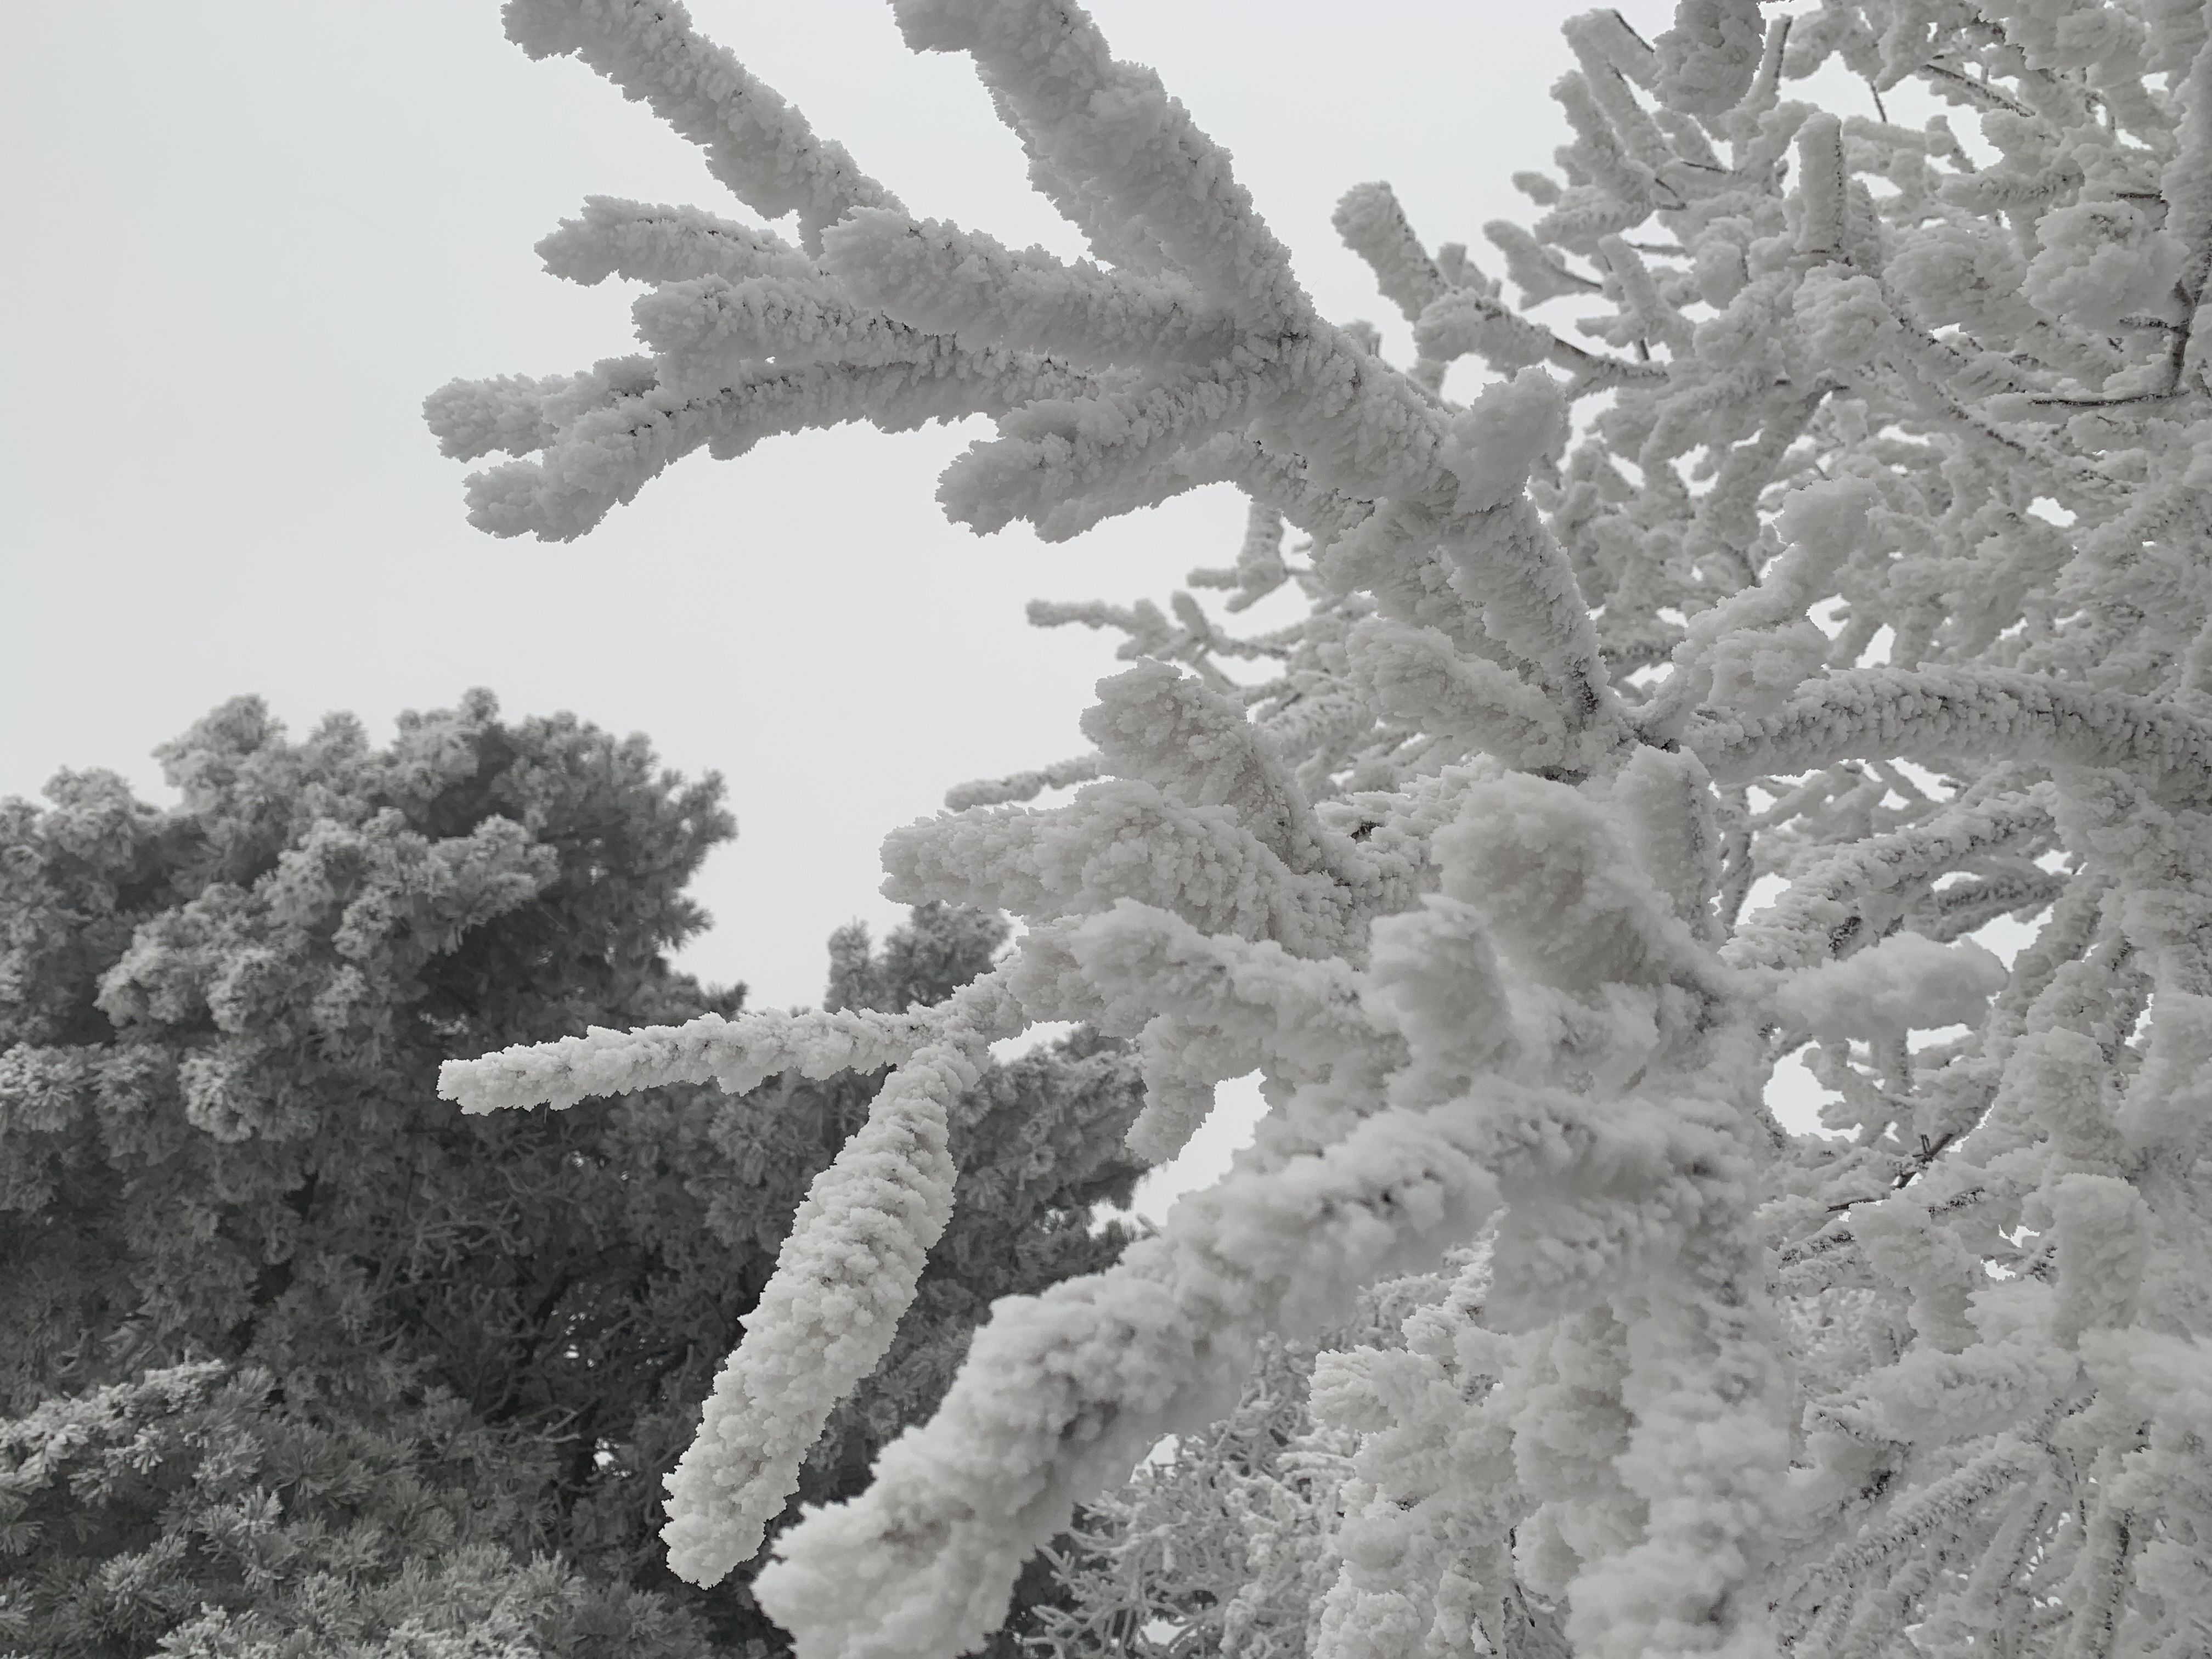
{"points": [[1833, 518]]}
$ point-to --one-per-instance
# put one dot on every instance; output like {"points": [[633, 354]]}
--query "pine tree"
{"points": [[220, 1028], [195, 1508], [1842, 542]]}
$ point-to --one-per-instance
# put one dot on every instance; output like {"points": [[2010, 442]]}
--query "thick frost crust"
{"points": [[1877, 447]]}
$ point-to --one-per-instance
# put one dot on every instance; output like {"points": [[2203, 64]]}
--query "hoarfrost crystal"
{"points": [[1850, 539]]}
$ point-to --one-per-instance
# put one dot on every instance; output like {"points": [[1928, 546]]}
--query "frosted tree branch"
{"points": [[1837, 538]]}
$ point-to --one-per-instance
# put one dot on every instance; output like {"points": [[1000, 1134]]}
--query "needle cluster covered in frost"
{"points": [[1826, 512]]}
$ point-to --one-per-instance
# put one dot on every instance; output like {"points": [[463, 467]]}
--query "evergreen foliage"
{"points": [[1829, 527], [232, 1206], [195, 1510]]}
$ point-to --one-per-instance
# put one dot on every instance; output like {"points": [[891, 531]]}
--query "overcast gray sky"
{"points": [[249, 235]]}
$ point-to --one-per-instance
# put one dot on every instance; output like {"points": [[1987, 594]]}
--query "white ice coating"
{"points": [[844, 1277], [1844, 531]]}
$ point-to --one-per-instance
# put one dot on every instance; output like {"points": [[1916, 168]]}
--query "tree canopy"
{"points": [[1821, 520], [304, 1313]]}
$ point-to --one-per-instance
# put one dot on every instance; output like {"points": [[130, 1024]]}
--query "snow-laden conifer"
{"points": [[1829, 526], [221, 1025]]}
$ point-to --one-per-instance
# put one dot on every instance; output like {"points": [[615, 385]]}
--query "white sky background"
{"points": [[247, 237]]}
